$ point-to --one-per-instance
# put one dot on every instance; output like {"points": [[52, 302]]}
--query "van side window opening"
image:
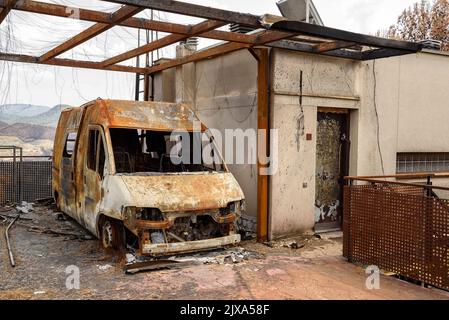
{"points": [[95, 152], [69, 145], [138, 150]]}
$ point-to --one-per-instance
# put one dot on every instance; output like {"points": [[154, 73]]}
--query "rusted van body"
{"points": [[111, 173]]}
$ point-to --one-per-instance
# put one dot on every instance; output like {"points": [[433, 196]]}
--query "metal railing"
{"points": [[402, 227]]}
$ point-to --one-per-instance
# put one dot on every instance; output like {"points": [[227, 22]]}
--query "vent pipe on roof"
{"points": [[235, 27], [188, 45], [300, 10]]}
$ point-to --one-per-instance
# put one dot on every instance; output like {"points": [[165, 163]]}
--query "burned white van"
{"points": [[113, 172]]}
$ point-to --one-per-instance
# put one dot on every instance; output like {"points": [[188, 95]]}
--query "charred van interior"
{"points": [[138, 151]]}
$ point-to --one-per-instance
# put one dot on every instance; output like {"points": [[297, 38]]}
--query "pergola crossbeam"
{"points": [[330, 46], [69, 63], [116, 17], [9, 4], [195, 10], [163, 42]]}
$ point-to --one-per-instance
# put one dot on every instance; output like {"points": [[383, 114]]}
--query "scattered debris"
{"points": [[293, 245], [25, 207], [104, 267], [38, 229], [130, 258], [11, 256], [269, 244], [153, 265], [227, 256], [60, 216], [247, 235], [44, 201], [39, 292], [7, 216]]}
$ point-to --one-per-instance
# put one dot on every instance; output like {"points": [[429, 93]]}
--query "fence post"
{"points": [[347, 220]]}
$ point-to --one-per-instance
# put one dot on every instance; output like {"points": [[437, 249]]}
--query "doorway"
{"points": [[332, 154]]}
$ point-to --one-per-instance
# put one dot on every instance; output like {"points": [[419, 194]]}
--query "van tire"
{"points": [[112, 234]]}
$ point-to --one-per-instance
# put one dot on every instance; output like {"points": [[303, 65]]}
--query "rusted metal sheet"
{"points": [[161, 116], [187, 191], [171, 248], [399, 228]]}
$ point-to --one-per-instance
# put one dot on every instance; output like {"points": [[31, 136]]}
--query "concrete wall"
{"points": [[226, 98], [412, 102], [396, 105], [327, 82]]}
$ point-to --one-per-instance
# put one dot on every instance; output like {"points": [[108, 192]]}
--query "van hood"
{"points": [[183, 192]]}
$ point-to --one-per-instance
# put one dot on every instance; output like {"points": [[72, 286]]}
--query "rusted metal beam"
{"points": [[69, 63], [330, 46], [163, 42], [116, 17], [382, 53], [336, 34], [209, 53], [304, 47], [9, 4], [263, 75], [195, 10], [271, 36]]}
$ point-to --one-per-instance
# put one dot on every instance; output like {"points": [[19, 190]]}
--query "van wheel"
{"points": [[112, 234]]}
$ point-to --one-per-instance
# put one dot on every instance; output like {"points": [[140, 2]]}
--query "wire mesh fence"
{"points": [[24, 178]]}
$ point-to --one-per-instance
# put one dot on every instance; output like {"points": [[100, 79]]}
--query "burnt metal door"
{"points": [[67, 175], [94, 165], [331, 166]]}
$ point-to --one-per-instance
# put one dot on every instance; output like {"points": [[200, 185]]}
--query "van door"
{"points": [[94, 170], [67, 190]]}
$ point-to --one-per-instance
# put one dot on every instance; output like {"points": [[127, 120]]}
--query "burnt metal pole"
{"points": [[11, 256], [263, 123]]}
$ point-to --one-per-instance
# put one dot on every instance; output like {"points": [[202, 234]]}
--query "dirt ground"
{"points": [[314, 270]]}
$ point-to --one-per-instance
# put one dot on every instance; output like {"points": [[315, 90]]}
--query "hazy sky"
{"points": [[45, 85]]}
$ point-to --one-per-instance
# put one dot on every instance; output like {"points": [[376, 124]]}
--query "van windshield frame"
{"points": [[147, 151]]}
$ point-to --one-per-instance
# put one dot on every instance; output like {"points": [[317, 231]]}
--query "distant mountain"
{"points": [[37, 115], [28, 110], [28, 132]]}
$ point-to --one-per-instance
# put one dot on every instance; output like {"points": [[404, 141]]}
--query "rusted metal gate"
{"points": [[24, 178], [399, 227]]}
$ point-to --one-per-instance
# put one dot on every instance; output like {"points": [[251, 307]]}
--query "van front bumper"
{"points": [[189, 246]]}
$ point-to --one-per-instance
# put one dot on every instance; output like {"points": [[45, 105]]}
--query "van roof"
{"points": [[153, 115]]}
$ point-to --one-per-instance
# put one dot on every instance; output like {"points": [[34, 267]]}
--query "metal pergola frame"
{"points": [[271, 32], [290, 35]]}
